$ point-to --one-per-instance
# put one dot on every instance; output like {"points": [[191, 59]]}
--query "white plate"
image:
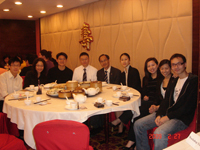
{"points": [[104, 85], [52, 94], [98, 102], [49, 85], [22, 95], [115, 95], [68, 107], [29, 89]]}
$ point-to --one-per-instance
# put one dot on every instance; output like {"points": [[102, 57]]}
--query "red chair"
{"points": [[23, 77], [61, 134], [172, 139], [10, 142], [3, 123], [8, 127]]}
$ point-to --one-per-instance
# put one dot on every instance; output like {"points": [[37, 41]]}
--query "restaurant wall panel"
{"points": [[142, 28], [17, 37]]}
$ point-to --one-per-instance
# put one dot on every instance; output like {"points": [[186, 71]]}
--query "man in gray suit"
{"points": [[108, 73]]}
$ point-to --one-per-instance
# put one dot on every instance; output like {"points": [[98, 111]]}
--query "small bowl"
{"points": [[16, 95], [123, 87], [130, 94], [109, 102], [27, 102]]}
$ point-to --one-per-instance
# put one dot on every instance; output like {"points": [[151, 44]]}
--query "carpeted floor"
{"points": [[115, 143]]}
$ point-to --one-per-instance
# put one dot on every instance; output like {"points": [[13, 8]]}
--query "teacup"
{"points": [[130, 94], [27, 102], [118, 93], [123, 87], [109, 102], [73, 105], [100, 99], [16, 95], [68, 102], [36, 88], [31, 87], [114, 88], [38, 99]]}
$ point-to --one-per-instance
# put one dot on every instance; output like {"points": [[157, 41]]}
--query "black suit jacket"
{"points": [[133, 78], [114, 75]]}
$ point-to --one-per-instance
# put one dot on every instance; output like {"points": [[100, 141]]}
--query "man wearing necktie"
{"points": [[108, 73], [85, 72]]}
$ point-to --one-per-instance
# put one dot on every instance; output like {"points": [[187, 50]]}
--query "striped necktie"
{"points": [[84, 75], [106, 76]]}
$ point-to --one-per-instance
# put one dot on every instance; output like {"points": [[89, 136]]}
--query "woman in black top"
{"points": [[38, 72], [152, 75], [131, 78]]}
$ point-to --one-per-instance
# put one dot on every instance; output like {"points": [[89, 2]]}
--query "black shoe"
{"points": [[128, 148], [120, 133], [112, 125]]}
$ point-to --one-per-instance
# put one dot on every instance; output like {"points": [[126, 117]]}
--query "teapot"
{"points": [[79, 98], [92, 91]]}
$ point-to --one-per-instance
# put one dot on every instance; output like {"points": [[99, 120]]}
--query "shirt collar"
{"points": [[108, 70], [10, 75], [126, 68], [86, 67]]}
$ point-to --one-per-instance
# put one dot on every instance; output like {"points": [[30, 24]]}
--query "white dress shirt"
{"points": [[108, 73], [90, 71], [126, 74], [9, 84]]}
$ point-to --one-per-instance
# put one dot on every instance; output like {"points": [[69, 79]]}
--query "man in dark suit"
{"points": [[108, 73]]}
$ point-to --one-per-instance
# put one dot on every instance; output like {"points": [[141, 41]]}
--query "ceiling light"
{"points": [[42, 11], [30, 16], [59, 6], [18, 3], [6, 9]]}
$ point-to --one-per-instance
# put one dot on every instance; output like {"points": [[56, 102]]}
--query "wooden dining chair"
{"points": [[61, 134]]}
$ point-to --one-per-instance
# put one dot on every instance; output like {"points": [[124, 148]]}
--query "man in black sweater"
{"points": [[61, 73], [176, 111]]}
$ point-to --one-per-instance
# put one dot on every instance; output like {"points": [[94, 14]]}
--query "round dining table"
{"points": [[27, 116]]}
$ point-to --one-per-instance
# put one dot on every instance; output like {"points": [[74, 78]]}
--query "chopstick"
{"points": [[115, 104], [16, 99], [42, 101]]}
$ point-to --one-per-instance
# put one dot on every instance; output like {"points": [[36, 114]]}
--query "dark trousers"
{"points": [[126, 116], [1, 106]]}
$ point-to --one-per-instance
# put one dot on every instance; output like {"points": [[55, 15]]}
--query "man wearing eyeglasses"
{"points": [[176, 111], [61, 73], [10, 81]]}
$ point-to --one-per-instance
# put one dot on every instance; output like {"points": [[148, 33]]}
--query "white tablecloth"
{"points": [[26, 117], [182, 145]]}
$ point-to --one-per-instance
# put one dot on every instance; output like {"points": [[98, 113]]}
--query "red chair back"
{"points": [[6, 126], [23, 77], [61, 134], [3, 123], [10, 142]]}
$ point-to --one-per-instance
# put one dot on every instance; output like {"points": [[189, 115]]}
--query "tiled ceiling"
{"points": [[33, 7]]}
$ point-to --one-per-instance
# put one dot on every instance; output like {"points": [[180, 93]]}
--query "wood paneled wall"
{"points": [[17, 37], [196, 50]]}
